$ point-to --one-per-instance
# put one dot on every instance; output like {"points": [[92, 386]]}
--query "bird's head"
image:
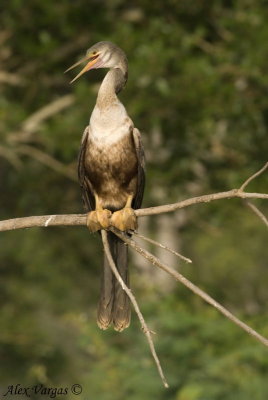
{"points": [[101, 55]]}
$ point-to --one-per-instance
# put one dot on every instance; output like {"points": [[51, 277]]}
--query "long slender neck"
{"points": [[112, 84]]}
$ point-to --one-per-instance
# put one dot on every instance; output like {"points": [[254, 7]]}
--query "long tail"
{"points": [[114, 304]]}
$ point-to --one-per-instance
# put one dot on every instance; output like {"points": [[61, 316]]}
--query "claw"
{"points": [[124, 219], [92, 222], [98, 219]]}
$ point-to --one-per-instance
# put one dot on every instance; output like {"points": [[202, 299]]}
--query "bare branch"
{"points": [[43, 221], [11, 79], [188, 260], [179, 277], [253, 176], [48, 160], [132, 298], [80, 219], [11, 156], [257, 212], [200, 199], [29, 127], [207, 198], [34, 121]]}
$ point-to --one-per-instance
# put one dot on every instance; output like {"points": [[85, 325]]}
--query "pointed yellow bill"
{"points": [[76, 64], [92, 61]]}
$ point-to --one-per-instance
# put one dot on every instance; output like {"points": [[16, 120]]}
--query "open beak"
{"points": [[90, 65]]}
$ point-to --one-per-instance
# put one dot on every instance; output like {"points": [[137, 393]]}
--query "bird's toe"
{"points": [[99, 219], [92, 222], [104, 217], [124, 219]]}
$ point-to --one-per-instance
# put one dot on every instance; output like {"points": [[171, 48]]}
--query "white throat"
{"points": [[110, 124]]}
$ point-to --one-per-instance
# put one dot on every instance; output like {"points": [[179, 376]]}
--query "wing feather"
{"points": [[86, 187], [141, 168]]}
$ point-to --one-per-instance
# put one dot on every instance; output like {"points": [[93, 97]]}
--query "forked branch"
{"points": [[80, 220], [199, 292]]}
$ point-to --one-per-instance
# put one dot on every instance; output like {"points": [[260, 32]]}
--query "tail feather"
{"points": [[121, 306], [114, 305], [104, 314]]}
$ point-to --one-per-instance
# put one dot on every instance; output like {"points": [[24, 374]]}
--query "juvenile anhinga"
{"points": [[111, 175]]}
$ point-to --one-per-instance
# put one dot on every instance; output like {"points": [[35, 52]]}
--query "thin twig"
{"points": [[179, 277], [253, 176], [132, 298], [257, 212], [188, 260]]}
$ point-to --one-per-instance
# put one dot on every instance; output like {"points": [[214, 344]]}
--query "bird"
{"points": [[111, 173]]}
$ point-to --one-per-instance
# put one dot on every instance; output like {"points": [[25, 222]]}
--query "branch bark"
{"points": [[80, 219], [235, 193]]}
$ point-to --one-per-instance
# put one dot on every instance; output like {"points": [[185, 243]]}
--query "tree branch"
{"points": [[132, 298], [235, 193], [188, 260], [257, 212], [242, 187], [43, 221], [80, 219], [31, 124], [48, 160], [179, 277]]}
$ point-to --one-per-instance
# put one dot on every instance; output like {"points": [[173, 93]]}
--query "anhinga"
{"points": [[111, 175]]}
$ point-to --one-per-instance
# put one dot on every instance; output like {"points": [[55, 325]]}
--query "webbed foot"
{"points": [[124, 219], [98, 219]]}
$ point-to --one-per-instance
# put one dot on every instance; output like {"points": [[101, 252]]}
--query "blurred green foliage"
{"points": [[197, 89]]}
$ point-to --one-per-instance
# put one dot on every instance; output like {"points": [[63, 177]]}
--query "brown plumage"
{"points": [[111, 175]]}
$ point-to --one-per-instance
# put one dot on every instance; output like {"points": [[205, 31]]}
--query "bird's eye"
{"points": [[94, 55]]}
